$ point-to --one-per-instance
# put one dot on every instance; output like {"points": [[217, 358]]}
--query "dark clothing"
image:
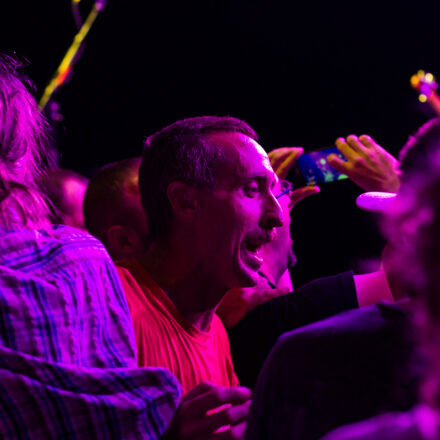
{"points": [[421, 423], [259, 330], [335, 372]]}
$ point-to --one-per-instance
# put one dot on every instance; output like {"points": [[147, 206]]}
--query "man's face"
{"points": [[240, 215], [278, 254], [134, 218]]}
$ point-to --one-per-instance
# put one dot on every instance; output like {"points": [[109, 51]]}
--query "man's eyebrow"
{"points": [[260, 178], [263, 178], [261, 175]]}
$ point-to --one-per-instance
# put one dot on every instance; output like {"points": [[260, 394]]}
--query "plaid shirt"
{"points": [[67, 349]]}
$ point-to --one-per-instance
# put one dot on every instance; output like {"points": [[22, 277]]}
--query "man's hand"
{"points": [[282, 159], [368, 164], [301, 193], [239, 301], [211, 412]]}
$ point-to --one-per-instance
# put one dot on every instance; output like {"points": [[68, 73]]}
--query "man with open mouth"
{"points": [[208, 190]]}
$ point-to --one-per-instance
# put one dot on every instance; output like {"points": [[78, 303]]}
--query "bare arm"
{"points": [[372, 288]]}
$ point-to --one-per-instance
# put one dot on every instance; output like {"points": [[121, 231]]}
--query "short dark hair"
{"points": [[104, 198], [181, 152]]}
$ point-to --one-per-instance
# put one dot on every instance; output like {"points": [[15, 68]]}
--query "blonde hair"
{"points": [[23, 139]]}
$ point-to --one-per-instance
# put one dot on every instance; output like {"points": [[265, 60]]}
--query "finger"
{"points": [[338, 164], [262, 296], [198, 390], [234, 433], [217, 396], [356, 145], [369, 142], [228, 417], [383, 154], [345, 149], [283, 169], [275, 293], [301, 193], [278, 155]]}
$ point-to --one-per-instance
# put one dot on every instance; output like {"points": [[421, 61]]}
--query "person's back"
{"points": [[61, 300], [337, 371], [65, 328]]}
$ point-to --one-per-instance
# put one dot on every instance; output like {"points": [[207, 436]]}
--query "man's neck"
{"points": [[195, 296]]}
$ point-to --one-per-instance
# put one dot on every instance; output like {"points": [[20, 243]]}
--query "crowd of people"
{"points": [[130, 304]]}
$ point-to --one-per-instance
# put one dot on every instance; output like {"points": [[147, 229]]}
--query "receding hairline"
{"points": [[199, 126]]}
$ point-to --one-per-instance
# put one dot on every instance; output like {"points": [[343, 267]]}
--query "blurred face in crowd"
{"points": [[71, 211]]}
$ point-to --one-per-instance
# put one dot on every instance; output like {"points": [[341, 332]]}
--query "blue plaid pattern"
{"points": [[67, 348]]}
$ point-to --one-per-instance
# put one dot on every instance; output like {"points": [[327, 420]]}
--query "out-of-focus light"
{"points": [[429, 77], [415, 81], [423, 98]]}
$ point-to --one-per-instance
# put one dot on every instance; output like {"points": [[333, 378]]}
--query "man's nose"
{"points": [[273, 213]]}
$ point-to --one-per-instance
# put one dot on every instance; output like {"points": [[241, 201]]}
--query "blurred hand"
{"points": [[368, 164], [282, 159], [301, 193], [239, 301], [211, 412]]}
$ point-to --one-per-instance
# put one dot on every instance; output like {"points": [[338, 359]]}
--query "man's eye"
{"points": [[252, 190]]}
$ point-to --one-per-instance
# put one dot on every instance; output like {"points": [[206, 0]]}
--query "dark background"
{"points": [[301, 73]]}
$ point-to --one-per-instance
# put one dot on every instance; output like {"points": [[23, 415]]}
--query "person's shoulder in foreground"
{"points": [[61, 279], [365, 355]]}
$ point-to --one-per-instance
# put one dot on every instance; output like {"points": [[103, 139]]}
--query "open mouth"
{"points": [[251, 251]]}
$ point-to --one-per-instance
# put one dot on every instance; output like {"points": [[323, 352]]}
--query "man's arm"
{"points": [[372, 288]]}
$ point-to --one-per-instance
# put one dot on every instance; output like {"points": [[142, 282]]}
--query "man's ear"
{"points": [[119, 242], [183, 200]]}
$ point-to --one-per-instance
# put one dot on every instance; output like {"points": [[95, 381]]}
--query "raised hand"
{"points": [[368, 164]]}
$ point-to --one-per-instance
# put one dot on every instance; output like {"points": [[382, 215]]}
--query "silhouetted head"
{"points": [[113, 212], [65, 190]]}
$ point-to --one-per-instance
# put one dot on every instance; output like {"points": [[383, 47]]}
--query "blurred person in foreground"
{"points": [[68, 366], [414, 234], [352, 366]]}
